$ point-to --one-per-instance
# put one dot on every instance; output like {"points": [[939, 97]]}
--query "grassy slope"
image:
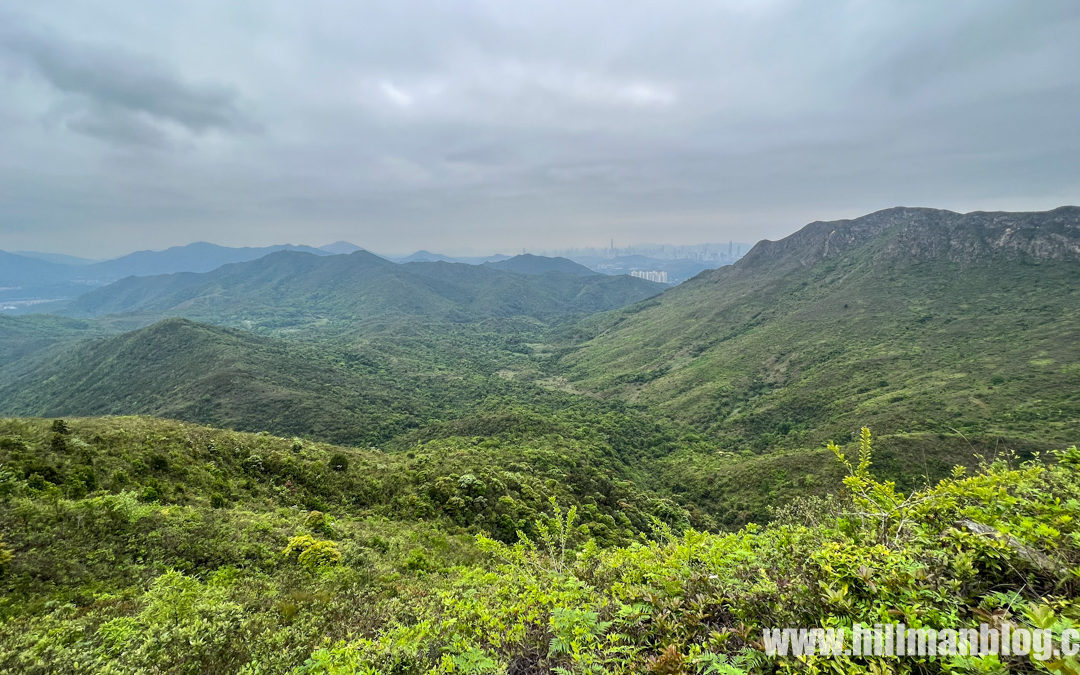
{"points": [[181, 369], [950, 356], [985, 349]]}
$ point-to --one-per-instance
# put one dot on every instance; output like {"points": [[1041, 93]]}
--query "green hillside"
{"points": [[911, 320], [180, 369], [21, 337], [289, 289]]}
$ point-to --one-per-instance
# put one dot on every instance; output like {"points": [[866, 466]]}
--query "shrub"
{"points": [[418, 560], [6, 556], [320, 523], [339, 461], [311, 552], [149, 494]]}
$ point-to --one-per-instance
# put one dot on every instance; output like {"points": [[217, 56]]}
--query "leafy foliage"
{"points": [[97, 579], [698, 602]]}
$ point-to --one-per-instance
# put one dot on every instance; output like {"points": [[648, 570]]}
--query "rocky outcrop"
{"points": [[917, 234]]}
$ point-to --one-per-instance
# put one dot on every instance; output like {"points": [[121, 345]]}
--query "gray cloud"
{"points": [[119, 95], [402, 124]]}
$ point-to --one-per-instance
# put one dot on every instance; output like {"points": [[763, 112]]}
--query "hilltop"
{"points": [[918, 234], [527, 263]]}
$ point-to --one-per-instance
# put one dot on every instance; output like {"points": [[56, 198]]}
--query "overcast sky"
{"points": [[460, 125]]}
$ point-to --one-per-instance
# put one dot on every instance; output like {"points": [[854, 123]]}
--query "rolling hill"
{"points": [[34, 278], [197, 257], [290, 288], [20, 269], [908, 320], [231, 378], [526, 263]]}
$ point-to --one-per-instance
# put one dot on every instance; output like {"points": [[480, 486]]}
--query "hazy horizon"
{"points": [[460, 253], [484, 127]]}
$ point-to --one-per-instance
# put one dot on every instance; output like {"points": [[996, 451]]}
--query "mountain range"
{"points": [[529, 450], [921, 323], [290, 287]]}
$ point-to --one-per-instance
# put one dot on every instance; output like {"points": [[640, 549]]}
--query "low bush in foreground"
{"points": [[999, 546], [113, 582]]}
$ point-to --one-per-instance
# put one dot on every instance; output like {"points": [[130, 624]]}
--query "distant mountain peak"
{"points": [[527, 263], [340, 248], [425, 256]]}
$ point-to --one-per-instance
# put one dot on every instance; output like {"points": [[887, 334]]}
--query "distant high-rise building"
{"points": [[659, 276]]}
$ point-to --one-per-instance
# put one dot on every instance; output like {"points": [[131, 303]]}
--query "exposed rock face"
{"points": [[925, 234]]}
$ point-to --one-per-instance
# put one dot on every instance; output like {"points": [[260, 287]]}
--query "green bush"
{"points": [[312, 553], [339, 462]]}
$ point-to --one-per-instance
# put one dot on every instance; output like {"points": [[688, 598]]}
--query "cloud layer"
{"points": [[492, 125]]}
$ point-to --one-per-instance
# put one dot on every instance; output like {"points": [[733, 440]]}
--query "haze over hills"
{"points": [[31, 280], [527, 263], [18, 269], [428, 256], [28, 280], [201, 256], [57, 258], [679, 263], [197, 257], [291, 287], [340, 248]]}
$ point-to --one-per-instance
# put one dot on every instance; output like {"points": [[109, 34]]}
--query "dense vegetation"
{"points": [[434, 467], [133, 544], [180, 369]]}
